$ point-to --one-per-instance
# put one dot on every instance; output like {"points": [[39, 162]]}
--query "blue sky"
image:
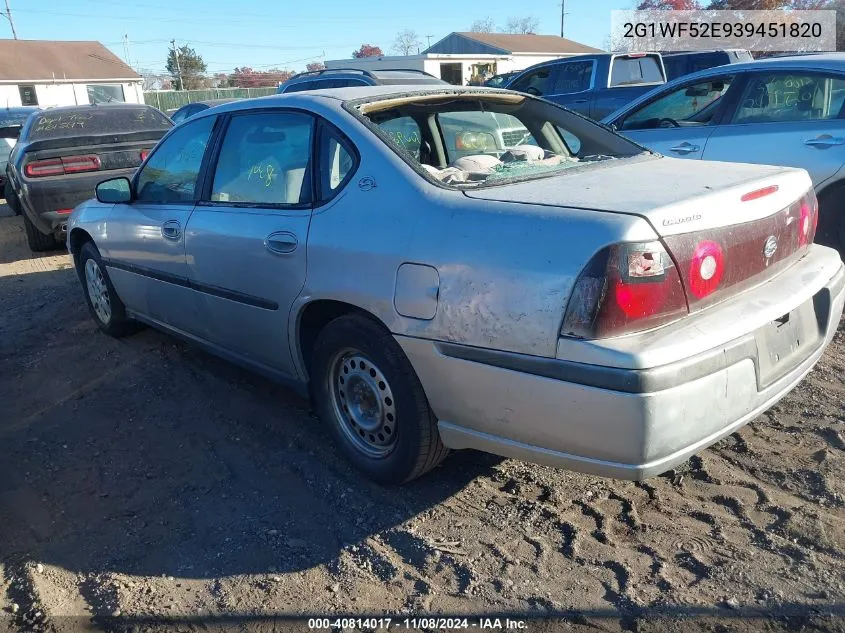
{"points": [[264, 34]]}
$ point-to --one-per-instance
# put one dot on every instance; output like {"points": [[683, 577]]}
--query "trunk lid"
{"points": [[726, 226]]}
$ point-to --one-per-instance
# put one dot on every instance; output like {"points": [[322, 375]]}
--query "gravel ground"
{"points": [[144, 479]]}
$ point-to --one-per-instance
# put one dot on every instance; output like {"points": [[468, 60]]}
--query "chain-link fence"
{"points": [[166, 100]]}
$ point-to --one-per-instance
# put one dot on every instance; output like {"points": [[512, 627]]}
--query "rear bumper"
{"points": [[623, 422], [41, 199]]}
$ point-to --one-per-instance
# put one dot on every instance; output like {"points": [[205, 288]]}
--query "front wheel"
{"points": [[105, 306], [368, 394]]}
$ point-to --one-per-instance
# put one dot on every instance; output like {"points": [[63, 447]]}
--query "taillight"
{"points": [[706, 268], [625, 288], [808, 218], [144, 154], [76, 164], [41, 168], [61, 166]]}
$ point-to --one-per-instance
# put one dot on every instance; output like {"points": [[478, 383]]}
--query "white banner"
{"points": [[771, 31]]}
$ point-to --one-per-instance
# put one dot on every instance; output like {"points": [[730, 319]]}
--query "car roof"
{"points": [[354, 93]]}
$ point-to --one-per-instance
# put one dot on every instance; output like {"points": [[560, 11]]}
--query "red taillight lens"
{"points": [[625, 288], [61, 166], [64, 211], [144, 154], [41, 168], [706, 268], [808, 218]]}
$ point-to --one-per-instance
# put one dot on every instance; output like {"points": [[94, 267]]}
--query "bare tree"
{"points": [[522, 26], [407, 42], [483, 26]]}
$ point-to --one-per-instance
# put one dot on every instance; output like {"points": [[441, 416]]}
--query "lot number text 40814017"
{"points": [[428, 623]]}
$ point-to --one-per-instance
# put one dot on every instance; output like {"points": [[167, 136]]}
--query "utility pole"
{"points": [[178, 68], [126, 49], [562, 14], [428, 37], [8, 15]]}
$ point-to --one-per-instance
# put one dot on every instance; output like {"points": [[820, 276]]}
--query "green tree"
{"points": [[186, 67]]}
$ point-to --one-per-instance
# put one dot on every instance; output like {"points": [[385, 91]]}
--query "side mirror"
{"points": [[115, 191]]}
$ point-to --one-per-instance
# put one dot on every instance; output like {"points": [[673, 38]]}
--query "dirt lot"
{"points": [[143, 479]]}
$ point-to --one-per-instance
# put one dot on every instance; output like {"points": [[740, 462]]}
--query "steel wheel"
{"points": [[98, 291], [363, 403]]}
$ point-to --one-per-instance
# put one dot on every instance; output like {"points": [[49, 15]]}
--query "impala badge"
{"points": [[770, 246]]}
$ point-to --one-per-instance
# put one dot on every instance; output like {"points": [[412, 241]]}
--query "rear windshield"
{"points": [[96, 120], [632, 71], [468, 141]]}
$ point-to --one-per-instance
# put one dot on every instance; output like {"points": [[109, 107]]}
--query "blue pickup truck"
{"points": [[594, 85]]}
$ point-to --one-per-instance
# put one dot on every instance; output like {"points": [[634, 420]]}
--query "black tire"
{"points": [[11, 198], [117, 324], [38, 241], [831, 227], [415, 445]]}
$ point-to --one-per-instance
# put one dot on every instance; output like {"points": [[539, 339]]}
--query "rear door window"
{"points": [[632, 71], [782, 97], [264, 160], [304, 85], [573, 77]]}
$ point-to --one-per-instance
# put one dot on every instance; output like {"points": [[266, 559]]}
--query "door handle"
{"points": [[580, 101], [825, 140], [171, 230], [281, 242], [684, 148]]}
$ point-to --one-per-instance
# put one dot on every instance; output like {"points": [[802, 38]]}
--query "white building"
{"points": [[462, 58], [52, 73]]}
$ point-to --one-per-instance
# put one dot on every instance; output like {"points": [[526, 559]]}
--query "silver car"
{"points": [[603, 309], [776, 111]]}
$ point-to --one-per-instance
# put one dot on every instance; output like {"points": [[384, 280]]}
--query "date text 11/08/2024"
{"points": [[412, 624]]}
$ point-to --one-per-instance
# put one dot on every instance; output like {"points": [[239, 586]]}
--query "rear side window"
{"points": [[675, 66], [170, 174], [782, 97], [573, 77], [632, 71], [304, 85], [707, 60], [265, 160], [337, 162], [96, 120]]}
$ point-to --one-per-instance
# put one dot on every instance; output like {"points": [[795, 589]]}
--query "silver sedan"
{"points": [[571, 300]]}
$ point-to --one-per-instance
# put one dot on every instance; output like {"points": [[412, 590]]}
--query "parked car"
{"points": [[499, 81], [11, 122], [594, 85], [190, 109], [62, 154], [346, 77], [578, 309], [678, 64], [780, 110]]}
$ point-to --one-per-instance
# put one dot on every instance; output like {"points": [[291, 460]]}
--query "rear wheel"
{"points": [[367, 392], [105, 306], [37, 240], [831, 229], [11, 198]]}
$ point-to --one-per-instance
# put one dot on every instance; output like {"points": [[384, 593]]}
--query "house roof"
{"points": [[50, 60], [509, 43]]}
